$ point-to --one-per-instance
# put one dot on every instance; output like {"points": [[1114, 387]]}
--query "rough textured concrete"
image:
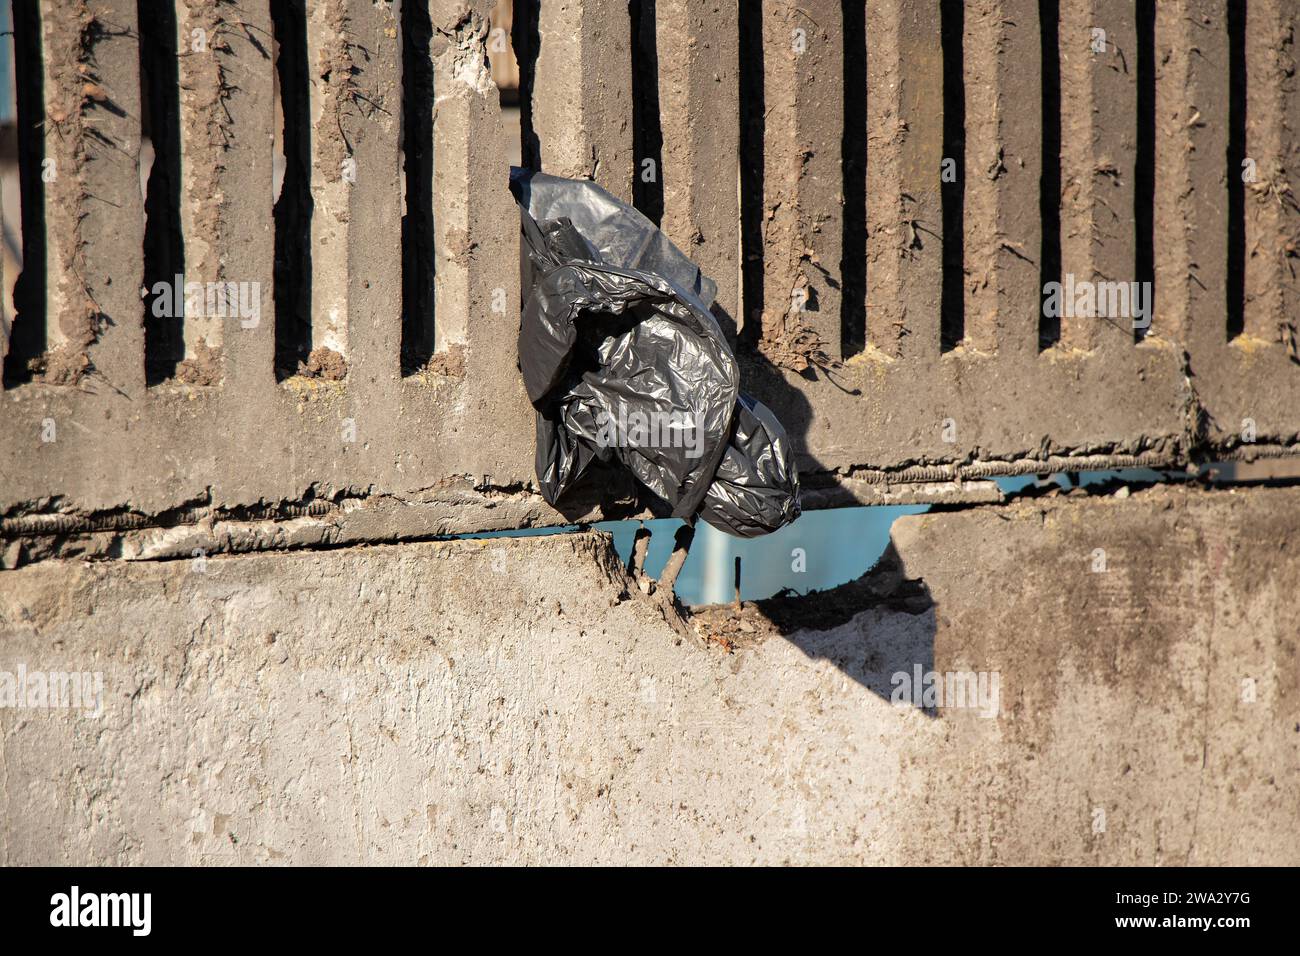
{"points": [[1273, 141], [89, 198], [249, 439], [1002, 168], [1098, 106], [1192, 134], [582, 98], [699, 105], [803, 51], [355, 91], [112, 210], [996, 396], [226, 89], [904, 146], [516, 700], [223, 432]]}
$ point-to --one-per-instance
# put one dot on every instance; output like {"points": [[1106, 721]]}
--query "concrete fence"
{"points": [[951, 240]]}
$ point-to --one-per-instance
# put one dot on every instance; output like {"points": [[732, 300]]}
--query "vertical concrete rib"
{"points": [[699, 96], [337, 104], [1098, 46], [112, 225], [1248, 390], [1272, 228], [803, 47], [904, 169], [476, 236], [1003, 167], [90, 152], [582, 97], [1190, 198], [354, 59], [476, 226], [226, 77]]}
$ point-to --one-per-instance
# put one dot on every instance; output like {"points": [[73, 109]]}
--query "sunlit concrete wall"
{"points": [[521, 700]]}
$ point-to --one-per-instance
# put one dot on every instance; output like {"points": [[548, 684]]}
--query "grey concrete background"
{"points": [[519, 701], [228, 435], [312, 687]]}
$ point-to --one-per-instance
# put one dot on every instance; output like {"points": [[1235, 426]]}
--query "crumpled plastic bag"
{"points": [[624, 362]]}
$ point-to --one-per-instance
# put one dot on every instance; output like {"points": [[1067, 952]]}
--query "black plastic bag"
{"points": [[624, 362]]}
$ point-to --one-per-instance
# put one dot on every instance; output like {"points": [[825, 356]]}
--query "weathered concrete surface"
{"points": [[905, 143], [515, 700], [803, 50], [112, 443], [1002, 168], [223, 432], [582, 97], [1193, 118], [698, 81], [1098, 169], [1272, 295], [88, 200]]}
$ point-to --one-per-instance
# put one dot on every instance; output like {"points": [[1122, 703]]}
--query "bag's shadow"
{"points": [[881, 650]]}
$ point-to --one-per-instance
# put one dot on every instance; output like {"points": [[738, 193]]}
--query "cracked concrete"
{"points": [[518, 701], [881, 416]]}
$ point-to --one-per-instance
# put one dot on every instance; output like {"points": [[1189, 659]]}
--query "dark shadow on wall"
{"points": [[164, 250], [899, 641], [293, 210], [28, 334], [952, 196], [1049, 187], [1236, 158], [1144, 174], [753, 118], [526, 41], [647, 131], [417, 167], [853, 160]]}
